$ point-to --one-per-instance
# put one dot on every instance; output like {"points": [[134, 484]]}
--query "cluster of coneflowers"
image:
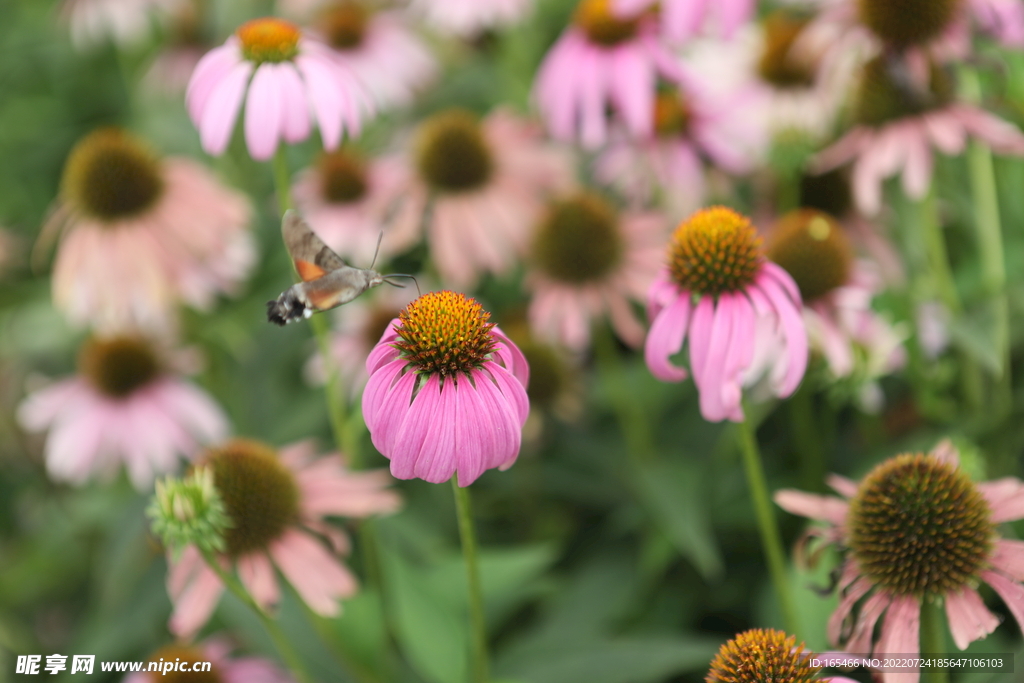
{"points": [[669, 103]]}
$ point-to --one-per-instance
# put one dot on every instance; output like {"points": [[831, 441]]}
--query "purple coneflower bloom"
{"points": [[277, 504], [917, 528], [740, 312], [123, 406], [683, 19], [291, 76], [447, 392], [467, 18]]}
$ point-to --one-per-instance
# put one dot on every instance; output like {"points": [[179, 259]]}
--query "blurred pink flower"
{"points": [[126, 22], [468, 18], [589, 262], [479, 187], [348, 202], [1003, 19], [292, 76], [277, 504], [745, 322], [904, 146], [124, 406], [224, 668], [691, 127], [173, 66], [141, 235], [683, 19], [598, 61], [837, 289], [886, 571], [387, 57], [447, 392]]}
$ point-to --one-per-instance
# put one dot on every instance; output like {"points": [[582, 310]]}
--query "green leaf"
{"points": [[673, 492]]}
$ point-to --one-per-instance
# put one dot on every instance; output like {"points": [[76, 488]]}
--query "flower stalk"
{"points": [[771, 540], [933, 640], [477, 624]]}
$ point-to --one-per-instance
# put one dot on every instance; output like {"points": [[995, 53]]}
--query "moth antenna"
{"points": [[377, 250], [395, 284]]}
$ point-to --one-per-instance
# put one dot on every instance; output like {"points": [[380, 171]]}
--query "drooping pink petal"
{"points": [[505, 437], [741, 355], [295, 123], [714, 367], [841, 485], [825, 508], [900, 635], [631, 81], [946, 452], [969, 619], [416, 424], [796, 335], [665, 339], [1011, 592], [325, 98], [1005, 497], [319, 579], [700, 338], [864, 628], [218, 118], [392, 410], [256, 572], [264, 111], [849, 598], [209, 72], [195, 603], [512, 391], [1008, 558]]}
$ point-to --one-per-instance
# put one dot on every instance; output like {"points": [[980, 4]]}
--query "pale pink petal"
{"points": [[917, 173], [1005, 497], [796, 336], [325, 98], [209, 72], [632, 89], [264, 111], [825, 508], [665, 339], [257, 574], [1011, 592], [714, 366], [195, 603], [296, 122], [842, 485], [899, 636], [700, 338], [946, 452], [969, 620], [849, 598], [218, 118], [317, 576], [1008, 558], [392, 409], [864, 628]]}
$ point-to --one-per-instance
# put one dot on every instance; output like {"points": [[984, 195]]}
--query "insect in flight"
{"points": [[327, 281]]}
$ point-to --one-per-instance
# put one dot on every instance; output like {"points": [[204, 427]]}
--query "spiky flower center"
{"points": [[919, 526], [579, 240], [119, 366], [344, 24], [601, 26], [445, 333], [715, 250], [260, 494], [762, 656], [813, 248], [269, 39], [671, 114], [886, 91], [779, 65], [828, 192], [342, 177], [111, 174], [907, 22], [184, 657], [452, 153]]}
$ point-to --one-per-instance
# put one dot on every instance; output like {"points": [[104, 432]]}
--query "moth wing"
{"points": [[312, 258]]}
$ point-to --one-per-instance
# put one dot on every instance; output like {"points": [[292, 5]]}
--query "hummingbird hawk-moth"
{"points": [[327, 281]]}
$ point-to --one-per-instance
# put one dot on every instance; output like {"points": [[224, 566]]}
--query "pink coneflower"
{"points": [[740, 312], [292, 77], [124, 406], [379, 49], [837, 290], [904, 108], [761, 655], [469, 18], [174, 64], [587, 262], [178, 660], [124, 21], [683, 19], [481, 185], [142, 235], [447, 392], [348, 201], [277, 503], [917, 529], [601, 60], [690, 128]]}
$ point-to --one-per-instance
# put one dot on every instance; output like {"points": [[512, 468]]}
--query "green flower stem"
{"points": [[990, 238], [933, 640], [344, 438], [281, 641], [807, 437], [478, 627], [771, 540]]}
